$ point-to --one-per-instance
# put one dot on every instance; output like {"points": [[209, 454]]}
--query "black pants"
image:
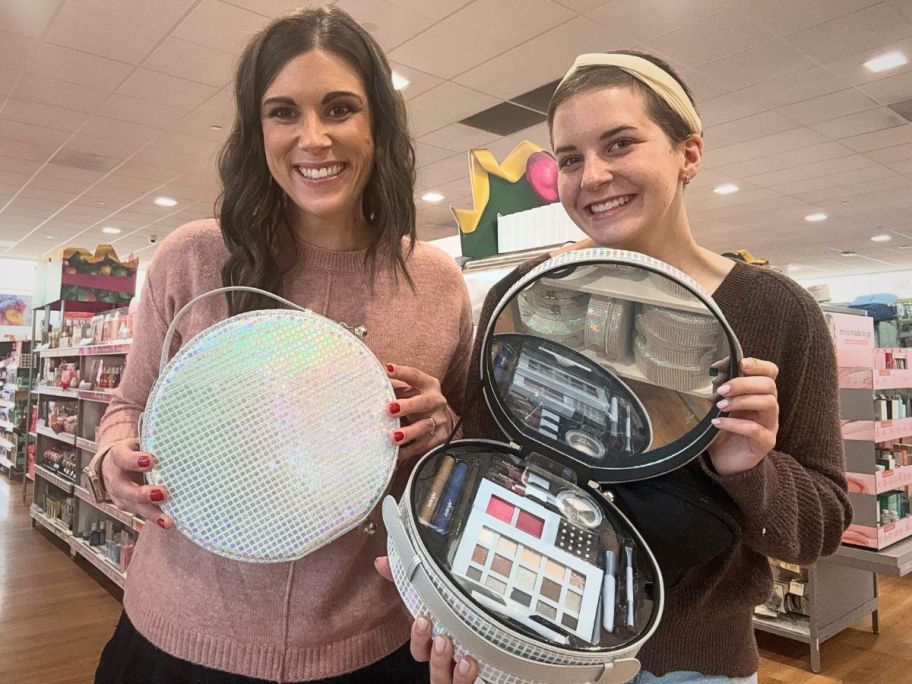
{"points": [[129, 658]]}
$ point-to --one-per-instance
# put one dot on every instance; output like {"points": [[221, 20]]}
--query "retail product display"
{"points": [[301, 374], [512, 548]]}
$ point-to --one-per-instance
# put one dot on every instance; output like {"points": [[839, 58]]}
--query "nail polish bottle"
{"points": [[93, 535]]}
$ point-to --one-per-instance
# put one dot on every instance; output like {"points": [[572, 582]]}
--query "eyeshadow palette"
{"points": [[508, 547]]}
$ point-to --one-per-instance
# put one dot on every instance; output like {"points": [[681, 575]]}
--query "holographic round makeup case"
{"points": [[519, 549], [269, 433]]}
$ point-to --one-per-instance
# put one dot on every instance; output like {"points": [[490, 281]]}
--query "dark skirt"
{"points": [[129, 658]]}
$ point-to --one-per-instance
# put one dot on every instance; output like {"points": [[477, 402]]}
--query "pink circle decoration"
{"points": [[541, 172]]}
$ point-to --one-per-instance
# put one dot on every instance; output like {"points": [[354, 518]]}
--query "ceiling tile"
{"points": [[751, 127], [220, 26], [16, 51], [899, 135], [54, 92], [645, 19], [710, 39], [903, 7], [537, 61], [141, 112], [419, 82], [791, 140], [16, 131], [861, 122], [861, 30], [27, 17], [112, 38], [273, 8], [103, 147], [715, 157], [892, 89], [393, 25], [34, 151], [432, 9], [478, 32], [797, 87], [830, 106], [220, 106], [7, 79], [80, 67], [444, 105], [428, 154], [761, 63], [185, 144], [783, 17], [729, 107], [43, 115], [581, 6], [459, 138], [163, 89], [889, 155], [156, 15], [164, 159], [443, 171], [193, 62]]}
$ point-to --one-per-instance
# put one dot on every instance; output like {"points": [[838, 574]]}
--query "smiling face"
{"points": [[316, 123], [620, 178]]}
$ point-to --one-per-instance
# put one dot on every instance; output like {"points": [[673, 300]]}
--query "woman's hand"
{"points": [[438, 652], [748, 434], [418, 398], [121, 467]]}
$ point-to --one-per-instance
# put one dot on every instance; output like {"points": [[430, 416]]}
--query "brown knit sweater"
{"points": [[794, 503]]}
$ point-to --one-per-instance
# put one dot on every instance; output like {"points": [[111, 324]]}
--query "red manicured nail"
{"points": [[162, 524], [389, 367], [143, 462], [394, 408], [398, 435], [156, 495]]}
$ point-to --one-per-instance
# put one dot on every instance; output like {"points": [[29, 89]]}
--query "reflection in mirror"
{"points": [[583, 350]]}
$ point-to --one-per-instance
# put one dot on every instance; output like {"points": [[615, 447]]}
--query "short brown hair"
{"points": [[599, 76]]}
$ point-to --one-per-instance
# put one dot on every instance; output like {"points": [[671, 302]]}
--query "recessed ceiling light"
{"points": [[165, 202], [886, 61], [215, 127], [111, 230], [725, 189], [813, 218], [400, 82], [432, 197], [795, 267], [49, 237], [882, 238], [849, 253]]}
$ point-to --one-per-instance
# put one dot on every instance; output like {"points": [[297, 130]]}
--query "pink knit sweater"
{"points": [[328, 613]]}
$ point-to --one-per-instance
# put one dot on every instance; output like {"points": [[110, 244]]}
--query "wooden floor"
{"points": [[56, 614]]}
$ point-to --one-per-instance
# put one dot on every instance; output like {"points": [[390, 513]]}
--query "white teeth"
{"points": [[611, 204], [324, 172]]}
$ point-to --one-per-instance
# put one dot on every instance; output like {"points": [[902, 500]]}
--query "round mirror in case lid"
{"points": [[608, 361]]}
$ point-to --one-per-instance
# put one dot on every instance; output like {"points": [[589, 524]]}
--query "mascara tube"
{"points": [[449, 501], [444, 468]]}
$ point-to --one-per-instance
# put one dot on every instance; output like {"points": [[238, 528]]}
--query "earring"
{"points": [[687, 180]]}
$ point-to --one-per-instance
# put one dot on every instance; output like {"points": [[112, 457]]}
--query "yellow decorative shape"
{"points": [[482, 163], [101, 253]]}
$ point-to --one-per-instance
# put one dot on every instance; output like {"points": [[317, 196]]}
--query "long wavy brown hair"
{"points": [[251, 205]]}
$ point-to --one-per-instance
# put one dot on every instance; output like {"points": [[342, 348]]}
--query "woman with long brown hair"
{"points": [[317, 205]]}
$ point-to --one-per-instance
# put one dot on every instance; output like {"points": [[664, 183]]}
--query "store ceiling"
{"points": [[106, 105]]}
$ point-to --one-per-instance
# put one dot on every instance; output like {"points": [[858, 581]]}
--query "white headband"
{"points": [[655, 78]]}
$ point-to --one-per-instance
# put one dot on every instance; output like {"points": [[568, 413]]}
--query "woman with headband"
{"points": [[628, 140]]}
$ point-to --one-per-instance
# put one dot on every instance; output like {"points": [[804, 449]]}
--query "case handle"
{"points": [[166, 345], [615, 672]]}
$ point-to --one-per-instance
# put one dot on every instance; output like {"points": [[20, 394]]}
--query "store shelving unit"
{"points": [[15, 360], [65, 375], [839, 595]]}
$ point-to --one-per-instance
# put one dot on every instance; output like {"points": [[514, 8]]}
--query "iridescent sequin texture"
{"points": [[271, 434]]}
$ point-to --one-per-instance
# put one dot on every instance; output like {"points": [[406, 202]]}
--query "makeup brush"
{"points": [[610, 549], [628, 549]]}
